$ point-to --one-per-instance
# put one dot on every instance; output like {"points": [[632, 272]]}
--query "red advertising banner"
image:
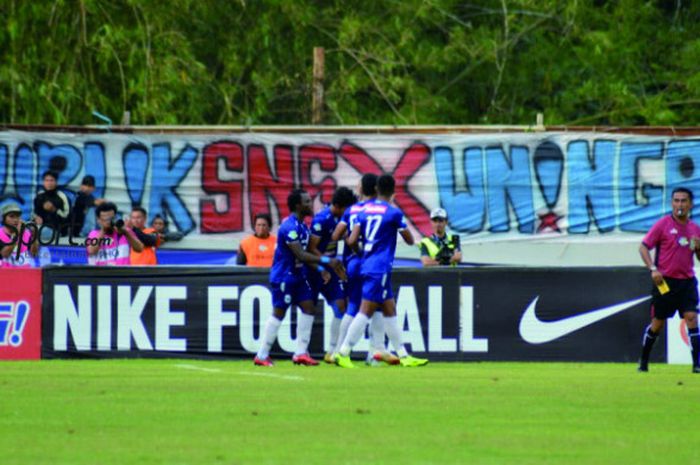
{"points": [[20, 313]]}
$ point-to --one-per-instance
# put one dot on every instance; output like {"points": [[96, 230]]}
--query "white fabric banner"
{"points": [[514, 198]]}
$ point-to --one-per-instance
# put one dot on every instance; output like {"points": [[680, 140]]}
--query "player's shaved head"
{"points": [[343, 197], [294, 199], [386, 185], [369, 185]]}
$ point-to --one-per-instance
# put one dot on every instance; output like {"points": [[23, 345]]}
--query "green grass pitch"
{"points": [[203, 412]]}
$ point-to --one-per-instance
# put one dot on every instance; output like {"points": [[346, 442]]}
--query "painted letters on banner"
{"points": [[495, 187]]}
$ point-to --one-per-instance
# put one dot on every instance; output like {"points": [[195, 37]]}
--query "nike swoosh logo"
{"points": [[536, 331]]}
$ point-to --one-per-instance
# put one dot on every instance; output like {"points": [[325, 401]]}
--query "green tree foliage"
{"points": [[589, 62]]}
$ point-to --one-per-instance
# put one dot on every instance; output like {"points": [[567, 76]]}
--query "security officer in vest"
{"points": [[441, 248]]}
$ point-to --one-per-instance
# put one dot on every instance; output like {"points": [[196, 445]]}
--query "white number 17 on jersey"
{"points": [[371, 228]]}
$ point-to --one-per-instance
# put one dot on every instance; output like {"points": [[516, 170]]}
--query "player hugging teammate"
{"points": [[372, 238]]}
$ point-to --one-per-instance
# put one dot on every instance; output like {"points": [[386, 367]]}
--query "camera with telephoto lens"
{"points": [[173, 236], [445, 253], [117, 223]]}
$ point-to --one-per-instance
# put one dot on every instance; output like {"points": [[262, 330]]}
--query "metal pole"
{"points": [[317, 91]]}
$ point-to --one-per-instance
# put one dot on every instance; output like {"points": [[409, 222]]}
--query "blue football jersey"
{"points": [[322, 226], [379, 223], [350, 218], [284, 263]]}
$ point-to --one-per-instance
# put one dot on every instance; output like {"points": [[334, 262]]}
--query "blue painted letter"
{"points": [[509, 180], [591, 187], [465, 209], [165, 177], [636, 216]]}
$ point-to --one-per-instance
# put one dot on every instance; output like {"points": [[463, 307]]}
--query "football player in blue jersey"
{"points": [[288, 281], [376, 228], [321, 244], [353, 287]]}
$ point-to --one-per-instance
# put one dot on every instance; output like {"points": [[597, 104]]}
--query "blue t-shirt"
{"points": [[284, 264], [350, 218], [379, 222], [322, 226]]}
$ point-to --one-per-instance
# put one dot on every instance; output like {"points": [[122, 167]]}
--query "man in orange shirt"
{"points": [[148, 236], [259, 248]]}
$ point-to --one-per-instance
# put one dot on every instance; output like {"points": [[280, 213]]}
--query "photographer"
{"points": [[150, 239], [111, 244], [16, 251], [160, 227], [442, 248]]}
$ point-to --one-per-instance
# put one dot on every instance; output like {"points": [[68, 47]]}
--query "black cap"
{"points": [[88, 180]]}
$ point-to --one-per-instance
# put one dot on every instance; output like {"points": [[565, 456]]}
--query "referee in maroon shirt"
{"points": [[676, 239]]}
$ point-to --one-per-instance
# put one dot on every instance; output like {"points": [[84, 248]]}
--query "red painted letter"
{"points": [[231, 219], [324, 156], [263, 184]]}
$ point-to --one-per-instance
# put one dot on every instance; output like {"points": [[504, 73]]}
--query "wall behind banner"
{"points": [[516, 198], [457, 315]]}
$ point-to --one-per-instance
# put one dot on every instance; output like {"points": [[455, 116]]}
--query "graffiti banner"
{"points": [[503, 189]]}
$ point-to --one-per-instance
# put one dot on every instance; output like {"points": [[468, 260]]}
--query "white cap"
{"points": [[438, 213], [10, 208]]}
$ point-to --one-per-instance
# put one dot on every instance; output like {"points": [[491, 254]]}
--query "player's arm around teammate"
{"points": [[314, 241], [288, 281], [312, 259], [377, 228]]}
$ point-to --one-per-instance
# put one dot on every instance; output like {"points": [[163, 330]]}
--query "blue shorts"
{"points": [[353, 288], [376, 287], [290, 292], [332, 290]]}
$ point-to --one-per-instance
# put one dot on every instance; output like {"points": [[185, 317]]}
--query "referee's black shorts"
{"points": [[683, 297]]}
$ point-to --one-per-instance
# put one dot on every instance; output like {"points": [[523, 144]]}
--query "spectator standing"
{"points": [[258, 249], [159, 225], [51, 208], [83, 213]]}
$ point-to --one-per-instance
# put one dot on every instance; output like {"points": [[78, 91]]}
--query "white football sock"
{"points": [[391, 326], [335, 329], [304, 325], [376, 333], [343, 330], [269, 335], [355, 332]]}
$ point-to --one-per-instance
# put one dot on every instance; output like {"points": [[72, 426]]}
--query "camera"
{"points": [[446, 252], [444, 255], [117, 223], [173, 236]]}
